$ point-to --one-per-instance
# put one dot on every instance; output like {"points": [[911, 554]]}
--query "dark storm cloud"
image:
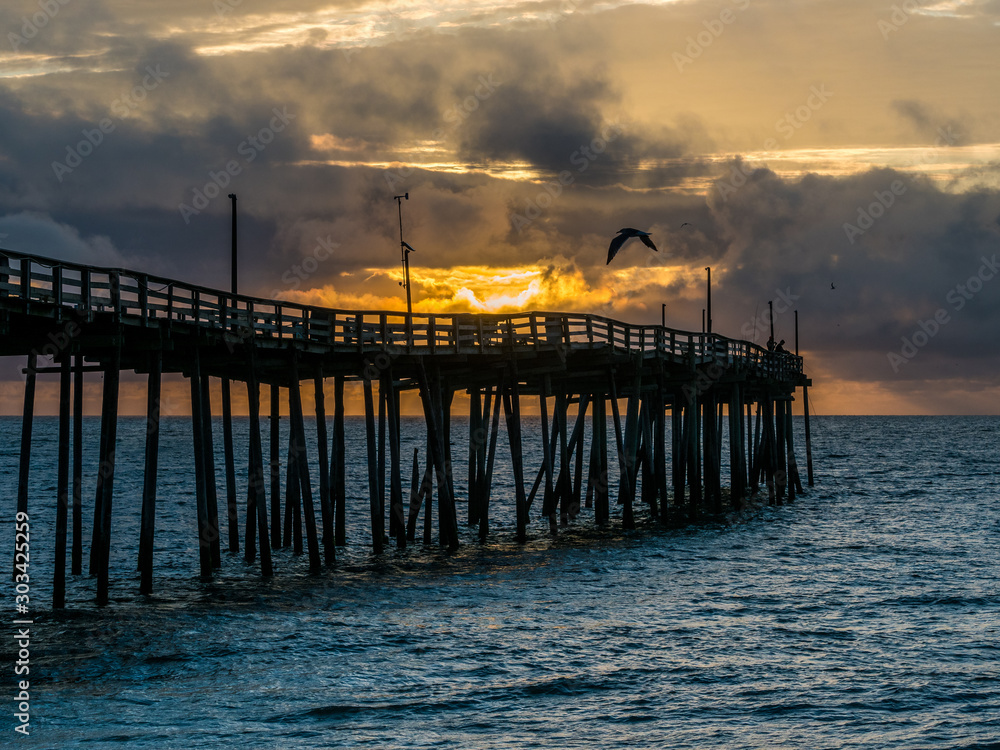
{"points": [[558, 88], [538, 119], [915, 258]]}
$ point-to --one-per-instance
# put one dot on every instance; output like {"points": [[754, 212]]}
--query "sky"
{"points": [[840, 158]]}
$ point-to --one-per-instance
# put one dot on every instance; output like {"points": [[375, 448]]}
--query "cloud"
{"points": [[38, 234], [406, 90]]}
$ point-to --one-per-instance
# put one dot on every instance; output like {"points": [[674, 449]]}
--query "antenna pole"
{"points": [[405, 251]]}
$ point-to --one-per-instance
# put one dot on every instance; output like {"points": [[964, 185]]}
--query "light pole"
{"points": [[770, 316], [709, 289], [663, 314], [232, 197], [405, 249]]}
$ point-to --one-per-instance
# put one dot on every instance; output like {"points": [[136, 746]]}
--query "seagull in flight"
{"points": [[627, 234], [832, 286]]}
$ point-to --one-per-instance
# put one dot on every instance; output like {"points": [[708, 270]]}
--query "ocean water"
{"points": [[866, 615]]}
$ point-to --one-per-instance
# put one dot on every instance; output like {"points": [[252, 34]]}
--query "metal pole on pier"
{"points": [[405, 250], [232, 197], [708, 287]]}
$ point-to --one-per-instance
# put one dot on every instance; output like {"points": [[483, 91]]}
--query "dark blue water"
{"points": [[867, 615]]}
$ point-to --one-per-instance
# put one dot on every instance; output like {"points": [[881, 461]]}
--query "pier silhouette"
{"points": [[89, 319]]}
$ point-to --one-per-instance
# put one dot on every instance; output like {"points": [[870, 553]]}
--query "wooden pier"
{"points": [[89, 319]]}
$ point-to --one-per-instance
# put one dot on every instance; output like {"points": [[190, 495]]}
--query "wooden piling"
{"points": [[232, 512], [274, 466], [768, 464], [623, 470], [427, 489], [563, 488], [415, 496], [577, 444], [325, 504], [629, 449], [646, 461], [512, 413], [735, 443], [794, 480], [297, 425], [211, 492], [436, 416], [750, 457], [660, 450], [76, 556], [602, 504], [382, 399], [780, 457], [692, 468], [293, 490], [678, 447], [373, 492], [757, 467], [809, 454], [447, 398], [487, 479], [397, 523], [27, 422], [548, 501], [256, 483], [205, 535], [338, 471], [475, 432], [109, 431], [62, 487], [148, 518]]}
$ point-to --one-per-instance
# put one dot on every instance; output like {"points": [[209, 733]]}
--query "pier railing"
{"points": [[58, 289]]}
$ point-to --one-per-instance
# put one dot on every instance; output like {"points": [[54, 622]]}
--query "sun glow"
{"points": [[557, 286]]}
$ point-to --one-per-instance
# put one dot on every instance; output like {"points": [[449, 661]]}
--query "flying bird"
{"points": [[627, 234], [686, 224], [832, 286]]}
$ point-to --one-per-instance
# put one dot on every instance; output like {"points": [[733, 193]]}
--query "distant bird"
{"points": [[686, 224], [832, 286], [627, 234]]}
